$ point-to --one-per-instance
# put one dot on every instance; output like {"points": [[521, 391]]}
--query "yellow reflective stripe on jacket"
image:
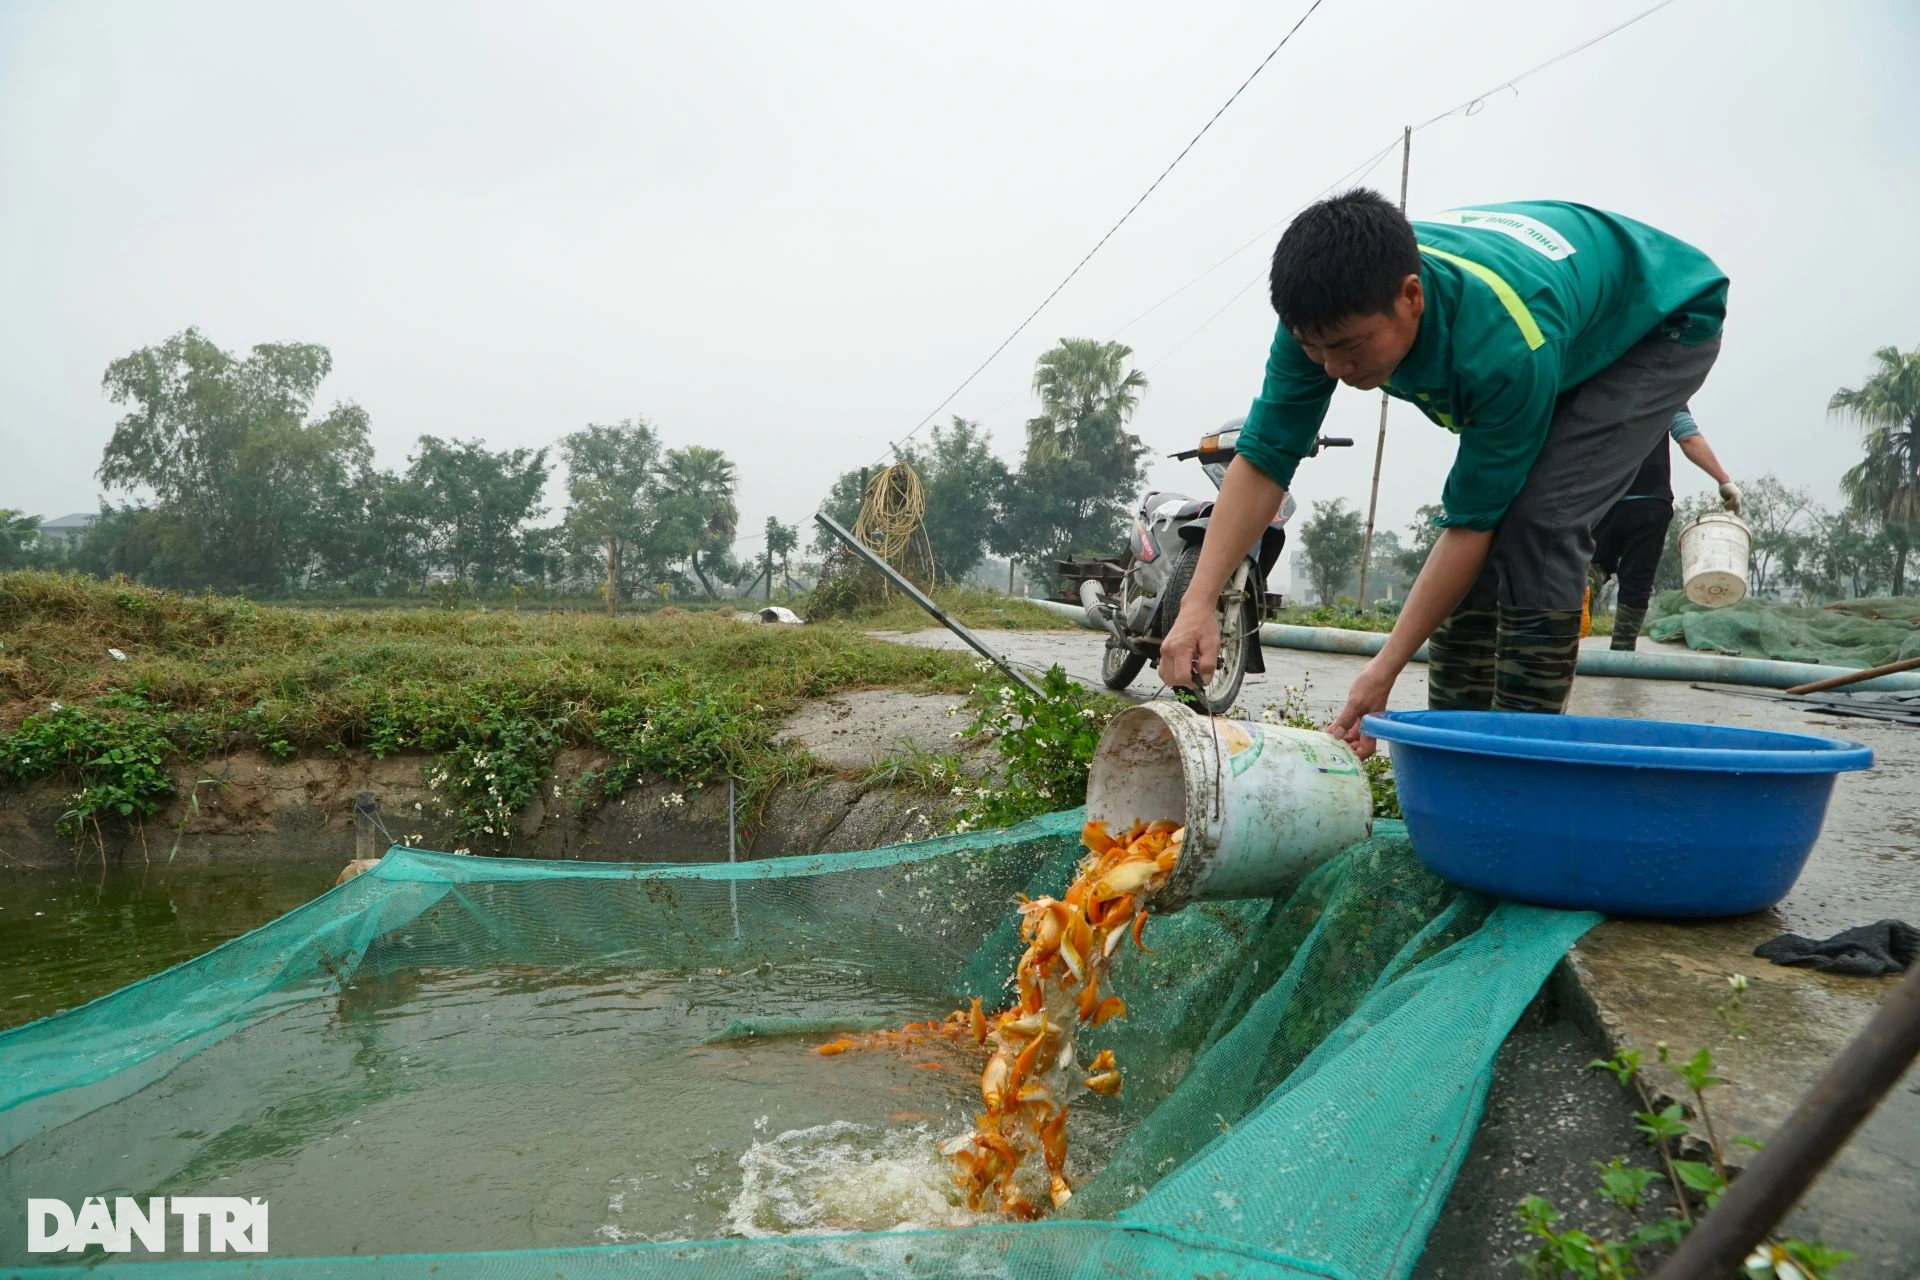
{"points": [[1501, 290]]}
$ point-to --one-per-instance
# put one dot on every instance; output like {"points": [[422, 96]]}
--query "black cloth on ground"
{"points": [[1864, 951]]}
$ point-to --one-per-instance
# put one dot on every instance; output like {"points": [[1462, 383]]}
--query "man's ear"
{"points": [[1414, 296]]}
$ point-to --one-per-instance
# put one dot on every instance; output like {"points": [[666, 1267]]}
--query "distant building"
{"points": [[67, 530]]}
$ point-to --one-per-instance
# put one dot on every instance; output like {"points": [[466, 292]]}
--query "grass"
{"points": [[688, 697], [983, 610], [1344, 617], [922, 770]]}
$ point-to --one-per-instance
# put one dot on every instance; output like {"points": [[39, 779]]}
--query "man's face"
{"points": [[1363, 351]]}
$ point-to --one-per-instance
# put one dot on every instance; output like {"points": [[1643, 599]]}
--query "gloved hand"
{"points": [[1730, 497]]}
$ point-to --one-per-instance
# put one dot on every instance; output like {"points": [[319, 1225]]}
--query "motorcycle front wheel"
{"points": [[1231, 668], [1119, 665]]}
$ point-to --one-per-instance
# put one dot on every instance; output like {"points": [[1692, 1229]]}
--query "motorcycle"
{"points": [[1163, 551]]}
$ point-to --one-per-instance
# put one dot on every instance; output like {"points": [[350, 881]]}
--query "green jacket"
{"points": [[1523, 302]]}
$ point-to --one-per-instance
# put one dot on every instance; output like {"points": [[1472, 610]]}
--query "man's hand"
{"points": [[1248, 501], [1450, 570], [1191, 650], [1368, 695], [1730, 497]]}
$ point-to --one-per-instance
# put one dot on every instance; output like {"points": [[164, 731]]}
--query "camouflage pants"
{"points": [[1511, 644], [1503, 660]]}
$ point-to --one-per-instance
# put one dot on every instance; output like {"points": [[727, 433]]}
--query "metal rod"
{"points": [[919, 597], [1380, 440], [1868, 673], [1846, 1094], [366, 829], [733, 848]]}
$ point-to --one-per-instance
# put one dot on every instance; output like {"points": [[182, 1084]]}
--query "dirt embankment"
{"points": [[251, 805]]}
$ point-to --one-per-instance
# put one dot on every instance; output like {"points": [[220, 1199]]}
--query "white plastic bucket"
{"points": [[1713, 559], [1263, 804]]}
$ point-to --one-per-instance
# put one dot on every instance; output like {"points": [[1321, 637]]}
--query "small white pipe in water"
{"points": [[1640, 664]]}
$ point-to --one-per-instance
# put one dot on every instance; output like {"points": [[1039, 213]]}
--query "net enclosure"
{"points": [[455, 1066], [1867, 632]]}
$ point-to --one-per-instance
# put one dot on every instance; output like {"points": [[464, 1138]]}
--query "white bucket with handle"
{"points": [[1714, 550], [1263, 804]]}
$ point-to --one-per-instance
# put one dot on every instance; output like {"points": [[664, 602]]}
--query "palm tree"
{"points": [[1885, 485], [1087, 394], [697, 485]]}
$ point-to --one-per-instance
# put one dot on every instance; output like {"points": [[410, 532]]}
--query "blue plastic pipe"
{"points": [[1640, 664]]}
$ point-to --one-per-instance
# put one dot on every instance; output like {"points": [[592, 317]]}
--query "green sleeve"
{"points": [[1282, 424], [1505, 430], [1683, 427]]}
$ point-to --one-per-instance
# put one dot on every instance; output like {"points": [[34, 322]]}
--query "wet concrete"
{"points": [[856, 731], [1644, 982]]}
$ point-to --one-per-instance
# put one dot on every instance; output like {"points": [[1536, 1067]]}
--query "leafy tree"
{"points": [[1082, 467], [1333, 540], [18, 531], [782, 541], [1885, 485], [242, 481], [697, 512], [964, 485], [611, 489], [1384, 572], [843, 504], [1838, 555], [469, 502], [1421, 535]]}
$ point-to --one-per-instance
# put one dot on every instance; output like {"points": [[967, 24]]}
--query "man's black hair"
{"points": [[1341, 258]]}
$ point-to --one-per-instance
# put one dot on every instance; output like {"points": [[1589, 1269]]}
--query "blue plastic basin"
{"points": [[1630, 817]]}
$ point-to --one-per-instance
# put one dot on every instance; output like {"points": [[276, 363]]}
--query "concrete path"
{"points": [[1646, 982]]}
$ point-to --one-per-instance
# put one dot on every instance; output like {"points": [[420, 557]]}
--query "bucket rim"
{"points": [[1452, 731]]}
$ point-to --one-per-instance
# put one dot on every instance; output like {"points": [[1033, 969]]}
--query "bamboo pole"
{"points": [[1380, 441]]}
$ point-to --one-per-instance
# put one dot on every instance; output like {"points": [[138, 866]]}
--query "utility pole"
{"points": [[1380, 441]]}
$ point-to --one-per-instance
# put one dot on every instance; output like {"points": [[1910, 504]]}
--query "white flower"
{"points": [[463, 852], [1771, 1262], [1738, 981], [959, 791], [55, 706], [672, 800]]}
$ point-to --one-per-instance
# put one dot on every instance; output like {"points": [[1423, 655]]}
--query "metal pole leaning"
{"points": [[919, 597]]}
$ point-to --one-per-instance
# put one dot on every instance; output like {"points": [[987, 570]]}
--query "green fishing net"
{"points": [[1303, 1075], [1854, 633]]}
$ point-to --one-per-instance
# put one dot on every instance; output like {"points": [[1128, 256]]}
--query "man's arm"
{"points": [[1279, 431], [1248, 501], [1497, 451], [1701, 455], [1449, 573]]}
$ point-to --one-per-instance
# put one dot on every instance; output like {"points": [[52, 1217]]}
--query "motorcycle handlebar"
{"points": [[1226, 454]]}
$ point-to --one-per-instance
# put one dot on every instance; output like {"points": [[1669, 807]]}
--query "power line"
{"points": [[1370, 165], [1151, 188], [1363, 174], [1479, 98], [1362, 169]]}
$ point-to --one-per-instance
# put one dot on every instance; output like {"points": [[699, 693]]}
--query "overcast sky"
{"points": [[789, 230]]}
